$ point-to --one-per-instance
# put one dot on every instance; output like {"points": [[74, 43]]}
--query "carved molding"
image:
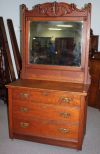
{"points": [[56, 9]]}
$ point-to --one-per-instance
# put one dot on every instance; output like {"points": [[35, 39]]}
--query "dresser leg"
{"points": [[11, 136]]}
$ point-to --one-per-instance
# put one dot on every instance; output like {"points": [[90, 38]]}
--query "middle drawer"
{"points": [[46, 111]]}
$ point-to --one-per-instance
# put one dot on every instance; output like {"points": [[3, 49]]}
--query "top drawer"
{"points": [[55, 97], [46, 96]]}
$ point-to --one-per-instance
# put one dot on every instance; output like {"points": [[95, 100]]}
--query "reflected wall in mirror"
{"points": [[55, 43]]}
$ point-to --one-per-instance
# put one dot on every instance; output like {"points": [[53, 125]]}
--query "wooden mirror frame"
{"points": [[55, 12]]}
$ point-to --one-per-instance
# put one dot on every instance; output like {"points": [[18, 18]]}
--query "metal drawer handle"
{"points": [[24, 95], [64, 130], [66, 100], [23, 109], [24, 124], [65, 115]]}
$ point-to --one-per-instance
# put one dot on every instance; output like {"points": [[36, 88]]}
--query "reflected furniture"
{"points": [[48, 104]]}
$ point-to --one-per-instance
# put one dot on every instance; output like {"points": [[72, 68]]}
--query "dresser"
{"points": [[50, 112], [48, 104]]}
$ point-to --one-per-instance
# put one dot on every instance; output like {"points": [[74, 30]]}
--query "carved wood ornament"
{"points": [[57, 9]]}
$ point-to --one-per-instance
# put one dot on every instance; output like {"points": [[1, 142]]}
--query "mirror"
{"points": [[55, 43]]}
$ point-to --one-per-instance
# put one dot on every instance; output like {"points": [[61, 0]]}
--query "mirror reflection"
{"points": [[55, 43]]}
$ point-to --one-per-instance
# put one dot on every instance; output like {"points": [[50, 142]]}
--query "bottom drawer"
{"points": [[45, 128]]}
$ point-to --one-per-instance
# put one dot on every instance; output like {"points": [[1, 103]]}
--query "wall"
{"points": [[10, 9]]}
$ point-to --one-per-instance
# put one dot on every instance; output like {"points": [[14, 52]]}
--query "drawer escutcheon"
{"points": [[23, 109], [24, 95], [65, 100], [63, 130], [24, 124], [65, 115]]}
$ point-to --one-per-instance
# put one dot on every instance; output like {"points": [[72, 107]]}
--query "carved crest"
{"points": [[56, 9]]}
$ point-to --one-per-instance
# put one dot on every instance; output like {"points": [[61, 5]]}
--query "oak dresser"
{"points": [[48, 104]]}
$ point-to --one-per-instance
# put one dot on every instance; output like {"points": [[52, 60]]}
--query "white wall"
{"points": [[10, 9]]}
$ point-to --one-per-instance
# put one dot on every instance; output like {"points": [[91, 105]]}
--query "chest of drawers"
{"points": [[43, 112]]}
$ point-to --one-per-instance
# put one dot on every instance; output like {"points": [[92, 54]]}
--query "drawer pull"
{"points": [[24, 95], [45, 93], [23, 109], [66, 100], [65, 115], [64, 130], [24, 124]]}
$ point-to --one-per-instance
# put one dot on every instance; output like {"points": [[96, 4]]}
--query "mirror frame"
{"points": [[55, 12]]}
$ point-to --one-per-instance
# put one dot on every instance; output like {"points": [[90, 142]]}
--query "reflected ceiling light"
{"points": [[34, 38], [54, 28], [64, 25]]}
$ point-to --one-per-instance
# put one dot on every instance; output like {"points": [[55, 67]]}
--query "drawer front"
{"points": [[46, 96], [46, 111], [61, 98], [21, 94], [46, 129]]}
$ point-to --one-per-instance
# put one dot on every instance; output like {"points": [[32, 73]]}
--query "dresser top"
{"points": [[50, 85]]}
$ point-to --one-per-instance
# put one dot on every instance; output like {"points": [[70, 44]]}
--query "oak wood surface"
{"points": [[37, 111], [53, 85]]}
